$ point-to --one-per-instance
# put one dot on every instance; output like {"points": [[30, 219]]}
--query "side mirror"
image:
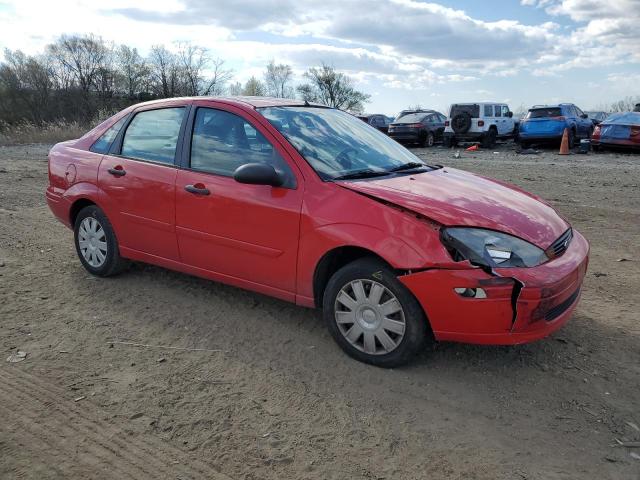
{"points": [[258, 174], [510, 114], [584, 115]]}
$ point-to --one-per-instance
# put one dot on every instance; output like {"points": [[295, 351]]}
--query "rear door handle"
{"points": [[197, 189], [117, 171]]}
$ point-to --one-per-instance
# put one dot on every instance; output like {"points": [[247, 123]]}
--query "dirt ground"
{"points": [[277, 399]]}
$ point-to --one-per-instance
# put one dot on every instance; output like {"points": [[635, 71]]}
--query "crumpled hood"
{"points": [[453, 197]]}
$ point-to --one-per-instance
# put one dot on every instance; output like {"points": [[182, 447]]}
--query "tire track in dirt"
{"points": [[43, 419]]}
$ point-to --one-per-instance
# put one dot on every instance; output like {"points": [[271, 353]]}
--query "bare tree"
{"points": [[217, 82], [133, 70], [28, 80], [192, 60], [333, 89], [163, 72], [235, 89], [626, 104], [82, 56], [278, 79]]}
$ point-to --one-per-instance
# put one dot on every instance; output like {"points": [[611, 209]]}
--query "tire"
{"points": [[449, 142], [461, 123], [371, 342], [98, 251], [430, 140], [422, 141], [524, 145], [572, 139], [489, 139]]}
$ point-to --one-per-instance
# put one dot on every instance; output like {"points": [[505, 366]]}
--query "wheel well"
{"points": [[333, 261], [76, 207]]}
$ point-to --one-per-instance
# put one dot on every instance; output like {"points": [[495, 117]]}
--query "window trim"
{"points": [[185, 159], [116, 146]]}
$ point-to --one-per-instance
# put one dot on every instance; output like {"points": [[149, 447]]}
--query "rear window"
{"points": [[473, 110], [544, 113], [411, 117]]}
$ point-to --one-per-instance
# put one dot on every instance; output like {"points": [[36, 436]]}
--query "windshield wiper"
{"points": [[407, 166], [362, 174]]}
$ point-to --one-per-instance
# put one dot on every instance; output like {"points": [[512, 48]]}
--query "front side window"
{"points": [[103, 143], [153, 135], [505, 110], [488, 110], [222, 142], [498, 111], [336, 144]]}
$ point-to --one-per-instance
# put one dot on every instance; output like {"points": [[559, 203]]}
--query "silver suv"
{"points": [[483, 122]]}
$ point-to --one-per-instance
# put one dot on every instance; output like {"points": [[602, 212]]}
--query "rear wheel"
{"points": [[96, 243], [372, 315], [449, 142]]}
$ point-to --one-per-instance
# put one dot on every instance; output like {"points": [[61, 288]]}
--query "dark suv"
{"points": [[424, 127]]}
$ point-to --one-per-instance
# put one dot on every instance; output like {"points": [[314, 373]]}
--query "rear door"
{"points": [[137, 178], [238, 231]]}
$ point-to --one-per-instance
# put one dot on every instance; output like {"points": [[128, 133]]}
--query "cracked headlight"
{"points": [[491, 249]]}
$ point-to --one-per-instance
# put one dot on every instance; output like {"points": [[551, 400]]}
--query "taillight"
{"points": [[481, 123], [596, 131], [416, 125], [446, 123], [635, 132]]}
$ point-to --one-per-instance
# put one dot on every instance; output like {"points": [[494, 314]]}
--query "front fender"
{"points": [[316, 243]]}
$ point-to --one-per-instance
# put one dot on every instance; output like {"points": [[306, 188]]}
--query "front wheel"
{"points": [[372, 315], [96, 243], [489, 139], [430, 139]]}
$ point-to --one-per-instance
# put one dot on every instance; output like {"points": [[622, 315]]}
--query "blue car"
{"points": [[546, 124]]}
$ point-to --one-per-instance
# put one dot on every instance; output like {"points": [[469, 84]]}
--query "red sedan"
{"points": [[313, 206], [619, 130]]}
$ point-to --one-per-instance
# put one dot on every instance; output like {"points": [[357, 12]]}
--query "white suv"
{"points": [[478, 122]]}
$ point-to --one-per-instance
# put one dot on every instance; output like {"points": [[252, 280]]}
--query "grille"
{"points": [[560, 246], [559, 309]]}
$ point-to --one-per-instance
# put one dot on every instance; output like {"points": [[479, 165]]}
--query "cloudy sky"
{"points": [[402, 52]]}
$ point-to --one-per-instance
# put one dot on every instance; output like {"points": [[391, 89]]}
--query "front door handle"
{"points": [[197, 189], [117, 171]]}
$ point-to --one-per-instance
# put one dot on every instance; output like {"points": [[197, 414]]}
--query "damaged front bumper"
{"points": [[517, 305]]}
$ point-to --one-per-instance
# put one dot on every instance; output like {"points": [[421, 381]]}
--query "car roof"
{"points": [[479, 103], [254, 102], [554, 105]]}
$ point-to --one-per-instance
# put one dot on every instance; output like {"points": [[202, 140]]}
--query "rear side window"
{"points": [[103, 143], [544, 112], [153, 135], [473, 110], [222, 142]]}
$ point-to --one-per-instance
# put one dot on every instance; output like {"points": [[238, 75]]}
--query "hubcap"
{"points": [[370, 317], [92, 241]]}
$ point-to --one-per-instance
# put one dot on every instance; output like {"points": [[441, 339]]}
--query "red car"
{"points": [[619, 130], [311, 205]]}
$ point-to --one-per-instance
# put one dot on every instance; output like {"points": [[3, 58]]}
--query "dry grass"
{"points": [[52, 132]]}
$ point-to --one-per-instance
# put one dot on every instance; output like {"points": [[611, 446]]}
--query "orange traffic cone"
{"points": [[564, 145], [472, 148]]}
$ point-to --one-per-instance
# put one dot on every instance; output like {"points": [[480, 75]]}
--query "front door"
{"points": [[138, 183], [239, 231]]}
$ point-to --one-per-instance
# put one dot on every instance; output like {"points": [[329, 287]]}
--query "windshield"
{"points": [[337, 144], [411, 118], [544, 113]]}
